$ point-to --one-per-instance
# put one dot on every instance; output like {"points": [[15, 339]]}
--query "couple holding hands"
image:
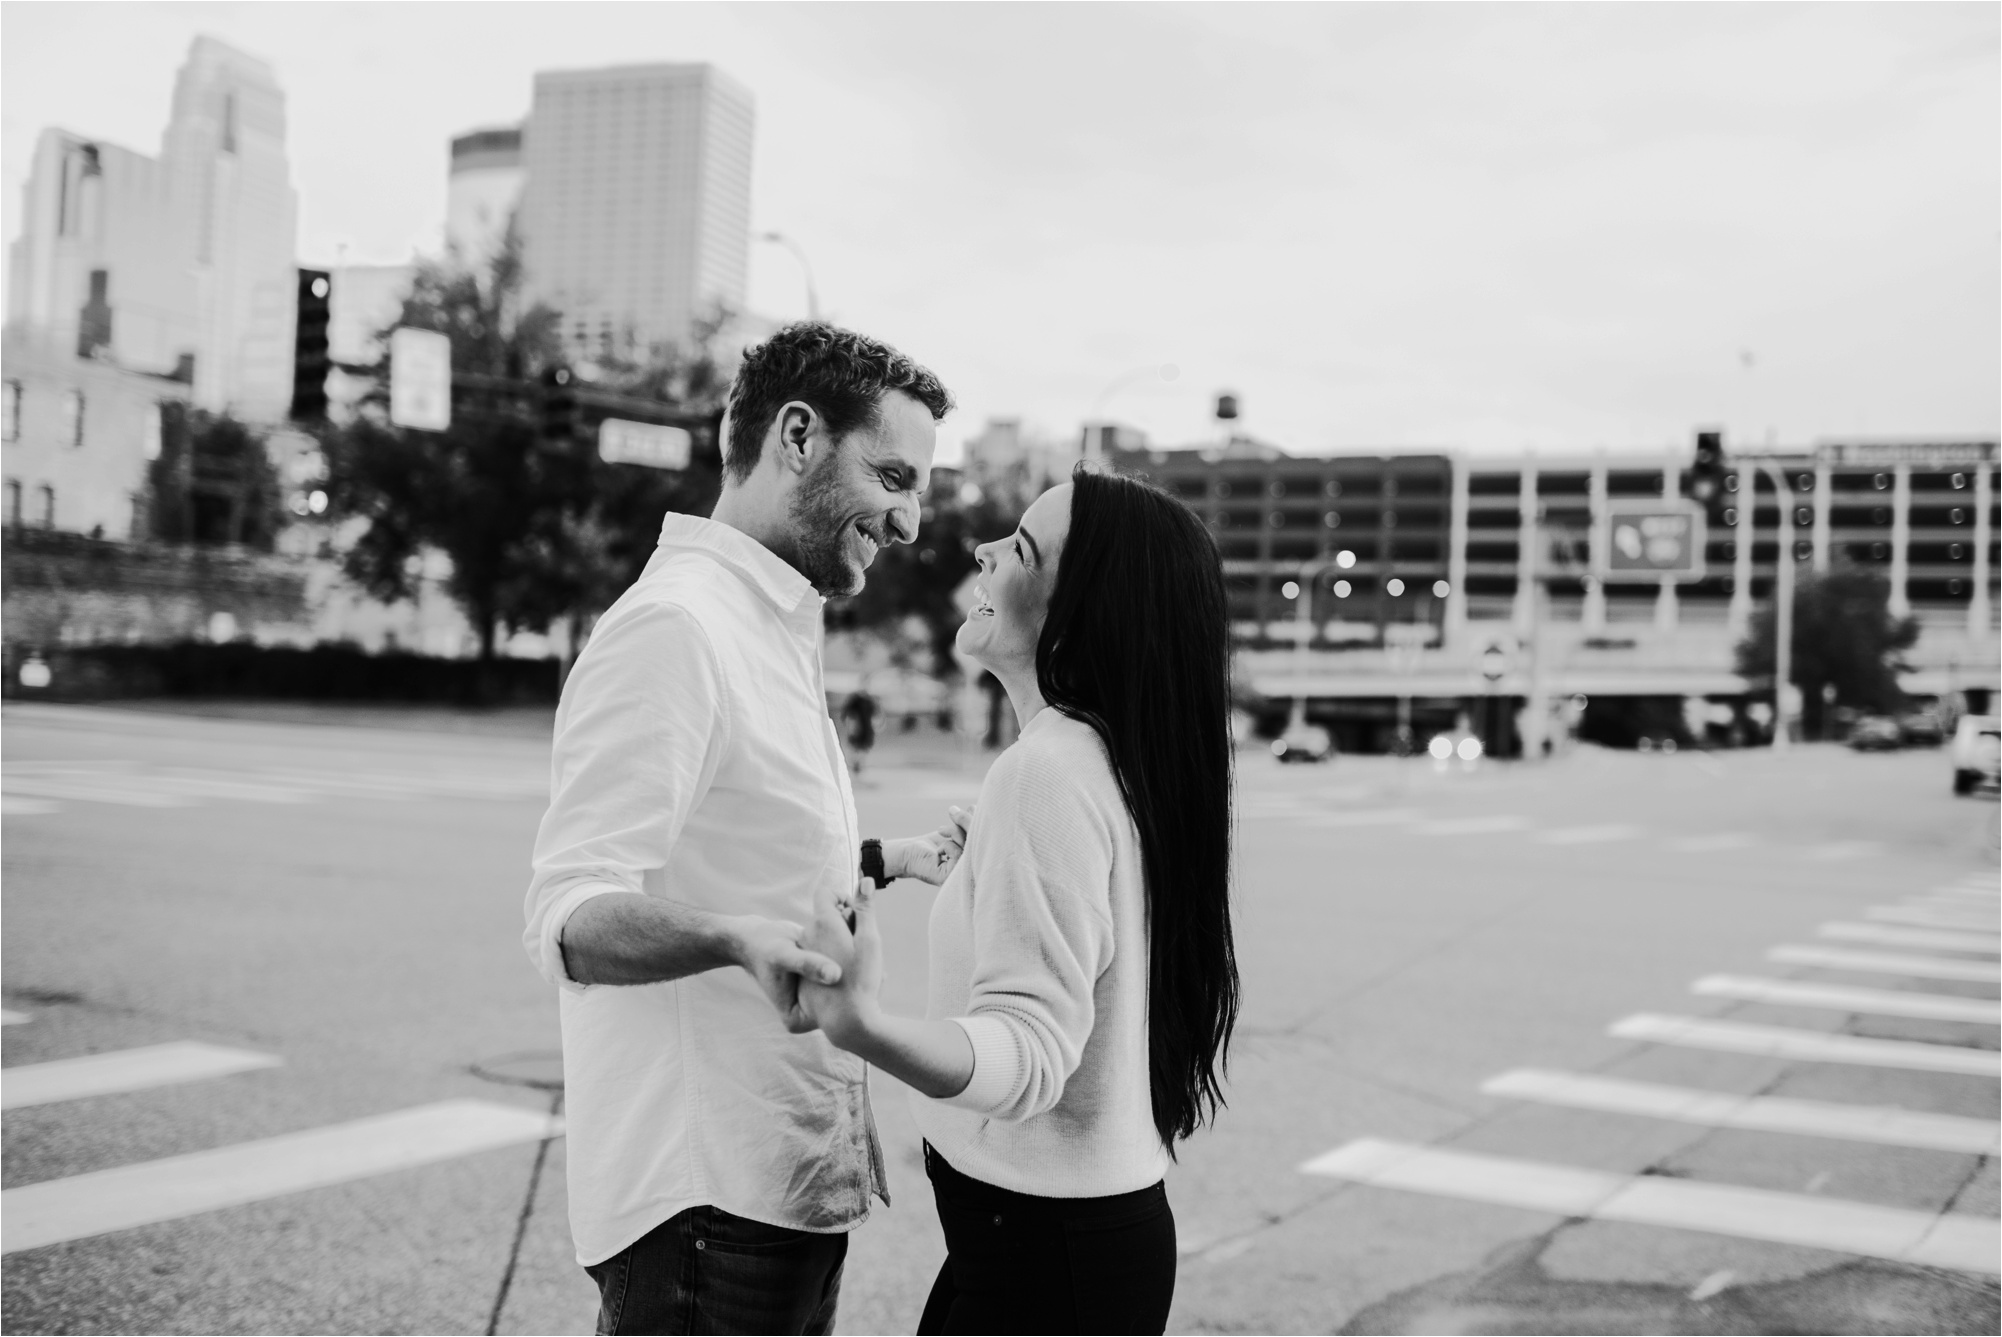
{"points": [[697, 873]]}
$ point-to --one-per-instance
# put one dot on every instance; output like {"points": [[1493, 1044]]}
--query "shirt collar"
{"points": [[755, 564]]}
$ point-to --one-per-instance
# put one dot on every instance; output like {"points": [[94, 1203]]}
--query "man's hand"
{"points": [[770, 950], [930, 858], [846, 1011]]}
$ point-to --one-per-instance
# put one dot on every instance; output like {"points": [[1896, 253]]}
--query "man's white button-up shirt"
{"points": [[694, 760]]}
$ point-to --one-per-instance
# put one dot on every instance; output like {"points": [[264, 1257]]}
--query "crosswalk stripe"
{"points": [[1742, 1037], [1848, 998], [1722, 840], [1964, 1243], [1937, 939], [1587, 835], [14, 805], [124, 1070], [1887, 963], [1769, 1114], [1967, 921], [203, 1181], [9, 1017], [1472, 826], [91, 791]]}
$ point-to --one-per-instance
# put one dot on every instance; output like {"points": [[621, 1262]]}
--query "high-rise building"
{"points": [[636, 209], [483, 191], [180, 262]]}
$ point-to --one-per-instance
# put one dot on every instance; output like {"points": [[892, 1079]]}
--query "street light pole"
{"points": [[1783, 603], [1303, 632], [805, 269]]}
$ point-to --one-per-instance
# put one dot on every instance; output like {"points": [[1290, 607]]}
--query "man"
{"points": [[699, 811]]}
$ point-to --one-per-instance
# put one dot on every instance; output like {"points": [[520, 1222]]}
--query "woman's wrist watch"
{"points": [[872, 863]]}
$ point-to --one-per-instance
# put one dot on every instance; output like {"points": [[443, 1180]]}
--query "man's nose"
{"points": [[902, 521]]}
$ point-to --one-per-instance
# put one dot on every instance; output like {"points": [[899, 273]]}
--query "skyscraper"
{"points": [[153, 263], [483, 192], [636, 210]]}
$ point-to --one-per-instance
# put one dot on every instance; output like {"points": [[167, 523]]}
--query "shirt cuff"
{"points": [[552, 931], [997, 1065]]}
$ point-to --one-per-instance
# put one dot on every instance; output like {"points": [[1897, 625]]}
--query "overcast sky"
{"points": [[1388, 226]]}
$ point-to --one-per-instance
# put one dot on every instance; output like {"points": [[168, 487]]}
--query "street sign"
{"points": [[1651, 541], [420, 380], [1925, 454], [656, 447]]}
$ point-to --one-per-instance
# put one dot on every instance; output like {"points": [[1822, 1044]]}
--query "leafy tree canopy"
{"points": [[1844, 636]]}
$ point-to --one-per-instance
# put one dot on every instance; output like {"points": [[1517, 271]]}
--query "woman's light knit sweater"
{"points": [[1039, 951]]}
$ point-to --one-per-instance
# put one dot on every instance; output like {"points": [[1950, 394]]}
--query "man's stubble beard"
{"points": [[820, 533]]}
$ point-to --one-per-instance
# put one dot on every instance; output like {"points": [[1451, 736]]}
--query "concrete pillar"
{"points": [[1667, 608], [1977, 607], [1745, 499], [1824, 486], [1456, 560], [1527, 559], [1597, 537], [1901, 538]]}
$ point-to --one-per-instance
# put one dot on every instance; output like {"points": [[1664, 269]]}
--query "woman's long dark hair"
{"points": [[1136, 643]]}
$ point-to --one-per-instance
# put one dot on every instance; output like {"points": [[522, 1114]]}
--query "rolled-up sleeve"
{"points": [[639, 736], [1042, 937]]}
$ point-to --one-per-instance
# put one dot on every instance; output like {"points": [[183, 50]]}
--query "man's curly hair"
{"points": [[842, 374]]}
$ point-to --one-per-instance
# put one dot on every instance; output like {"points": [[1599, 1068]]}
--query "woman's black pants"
{"points": [[1021, 1264]]}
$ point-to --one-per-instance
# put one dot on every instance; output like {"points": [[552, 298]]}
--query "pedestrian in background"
{"points": [[858, 713], [699, 812], [1083, 982]]}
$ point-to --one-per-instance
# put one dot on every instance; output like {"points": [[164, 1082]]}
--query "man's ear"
{"points": [[797, 435]]}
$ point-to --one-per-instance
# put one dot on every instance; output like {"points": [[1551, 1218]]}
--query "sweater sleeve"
{"points": [[1041, 860]]}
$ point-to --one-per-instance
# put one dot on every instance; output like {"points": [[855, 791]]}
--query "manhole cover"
{"points": [[539, 1069]]}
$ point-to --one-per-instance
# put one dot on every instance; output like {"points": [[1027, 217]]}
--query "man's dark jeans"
{"points": [[704, 1270]]}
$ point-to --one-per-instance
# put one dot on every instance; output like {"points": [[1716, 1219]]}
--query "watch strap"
{"points": [[872, 863]]}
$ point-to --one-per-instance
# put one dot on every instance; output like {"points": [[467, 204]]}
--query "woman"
{"points": [[1083, 983]]}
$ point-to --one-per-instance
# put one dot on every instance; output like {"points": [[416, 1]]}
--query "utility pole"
{"points": [[1783, 578]]}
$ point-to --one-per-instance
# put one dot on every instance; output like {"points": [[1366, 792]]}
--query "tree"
{"points": [[1844, 637], [213, 482], [537, 528]]}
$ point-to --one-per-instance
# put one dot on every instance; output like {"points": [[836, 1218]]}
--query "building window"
{"points": [[13, 503], [72, 429], [48, 507], [10, 412]]}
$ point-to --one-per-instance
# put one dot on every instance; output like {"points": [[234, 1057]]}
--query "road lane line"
{"points": [[203, 1181], [1472, 826], [1850, 998], [91, 791], [1587, 835], [1920, 917], [1722, 840], [9, 1017], [1766, 1114], [1888, 963], [124, 1070], [1964, 1243], [1936, 939], [14, 805], [1743, 1037]]}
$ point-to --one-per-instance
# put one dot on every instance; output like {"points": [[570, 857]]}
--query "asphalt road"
{"points": [[330, 902]]}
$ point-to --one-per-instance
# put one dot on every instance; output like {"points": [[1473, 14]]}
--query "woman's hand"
{"points": [[930, 858], [846, 1011]]}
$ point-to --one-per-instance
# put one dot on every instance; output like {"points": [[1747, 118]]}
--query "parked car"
{"points": [[1922, 728], [1977, 753], [1876, 733], [1307, 742]]}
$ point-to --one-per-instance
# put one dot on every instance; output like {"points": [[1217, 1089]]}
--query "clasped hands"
{"points": [[826, 976]]}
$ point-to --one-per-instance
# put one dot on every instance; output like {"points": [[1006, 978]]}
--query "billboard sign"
{"points": [[420, 380], [644, 443], [1652, 541]]}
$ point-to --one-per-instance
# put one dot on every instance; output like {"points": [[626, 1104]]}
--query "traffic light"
{"points": [[558, 404], [310, 363], [1707, 476]]}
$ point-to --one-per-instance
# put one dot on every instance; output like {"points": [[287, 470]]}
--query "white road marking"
{"points": [[1742, 1037], [203, 1181], [1844, 849], [1935, 939], [1723, 840], [130, 783], [1849, 998], [1966, 921], [1364, 817], [10, 1017], [1472, 826], [13, 805], [93, 791], [1965, 1243], [123, 1070], [1767, 1114], [1888, 963], [1587, 835]]}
